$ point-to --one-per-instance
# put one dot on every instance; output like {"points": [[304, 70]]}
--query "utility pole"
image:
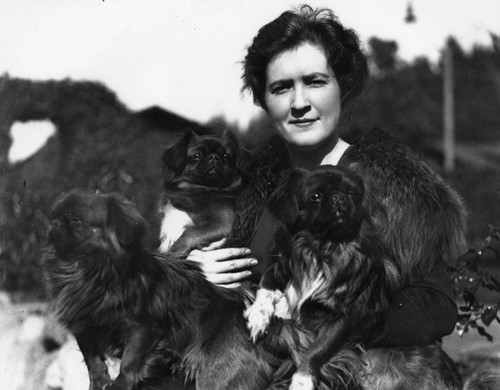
{"points": [[448, 108]]}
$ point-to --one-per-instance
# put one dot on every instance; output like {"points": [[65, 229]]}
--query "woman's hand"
{"points": [[227, 267]]}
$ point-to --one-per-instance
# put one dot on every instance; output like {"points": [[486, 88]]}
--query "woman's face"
{"points": [[302, 96]]}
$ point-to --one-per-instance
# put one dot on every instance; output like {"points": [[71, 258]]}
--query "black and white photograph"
{"points": [[250, 195]]}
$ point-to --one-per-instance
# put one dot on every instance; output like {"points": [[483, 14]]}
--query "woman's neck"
{"points": [[309, 157]]}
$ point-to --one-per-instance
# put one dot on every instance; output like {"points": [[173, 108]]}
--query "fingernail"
{"points": [[254, 262], [247, 251]]}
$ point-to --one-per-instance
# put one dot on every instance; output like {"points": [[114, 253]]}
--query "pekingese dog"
{"points": [[332, 273], [157, 312], [202, 177]]}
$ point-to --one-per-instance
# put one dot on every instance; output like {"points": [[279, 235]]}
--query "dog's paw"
{"points": [[302, 381], [174, 223], [282, 308], [260, 313]]}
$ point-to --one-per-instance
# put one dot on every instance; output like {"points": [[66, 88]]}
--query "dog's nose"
{"points": [[338, 198], [340, 202], [213, 157]]}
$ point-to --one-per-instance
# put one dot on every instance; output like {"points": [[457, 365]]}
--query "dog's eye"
{"points": [[316, 197], [56, 224], [226, 155], [76, 223], [196, 156]]}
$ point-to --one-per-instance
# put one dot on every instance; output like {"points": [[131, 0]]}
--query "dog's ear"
{"points": [[283, 202], [243, 157], [125, 222], [373, 207], [175, 157]]}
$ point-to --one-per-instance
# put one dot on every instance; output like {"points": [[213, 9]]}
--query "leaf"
{"points": [[470, 298], [489, 314], [463, 318], [469, 259], [495, 281], [483, 332]]}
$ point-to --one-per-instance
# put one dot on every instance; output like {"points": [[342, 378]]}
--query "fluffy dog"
{"points": [[333, 271], [202, 177], [334, 277], [155, 311]]}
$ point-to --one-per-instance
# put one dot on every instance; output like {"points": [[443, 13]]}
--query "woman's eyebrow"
{"points": [[280, 82], [316, 74], [304, 77]]}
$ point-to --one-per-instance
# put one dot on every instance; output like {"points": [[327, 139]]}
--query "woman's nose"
{"points": [[299, 99]]}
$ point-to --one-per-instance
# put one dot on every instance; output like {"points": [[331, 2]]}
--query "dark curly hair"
{"points": [[305, 24]]}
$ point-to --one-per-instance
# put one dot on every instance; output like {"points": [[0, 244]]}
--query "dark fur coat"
{"points": [[426, 219]]}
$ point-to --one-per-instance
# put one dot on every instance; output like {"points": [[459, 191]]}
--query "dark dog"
{"points": [[332, 270], [202, 177], [334, 277], [157, 312]]}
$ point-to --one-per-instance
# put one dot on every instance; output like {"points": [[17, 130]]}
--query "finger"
{"points": [[228, 266], [228, 278], [232, 285], [215, 245], [218, 254]]}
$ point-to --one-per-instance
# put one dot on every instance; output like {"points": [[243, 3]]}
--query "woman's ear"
{"points": [[283, 202], [175, 157]]}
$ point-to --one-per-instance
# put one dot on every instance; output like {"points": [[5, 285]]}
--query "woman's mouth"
{"points": [[302, 122]]}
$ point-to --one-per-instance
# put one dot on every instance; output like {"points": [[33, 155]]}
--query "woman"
{"points": [[302, 68]]}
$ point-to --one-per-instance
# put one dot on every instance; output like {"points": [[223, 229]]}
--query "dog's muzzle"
{"points": [[341, 205]]}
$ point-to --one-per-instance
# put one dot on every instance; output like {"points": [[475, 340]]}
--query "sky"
{"points": [[185, 55]]}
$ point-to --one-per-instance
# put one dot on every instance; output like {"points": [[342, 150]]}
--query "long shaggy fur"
{"points": [[426, 218], [157, 312], [331, 265]]}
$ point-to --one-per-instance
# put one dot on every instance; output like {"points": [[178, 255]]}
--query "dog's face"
{"points": [[327, 202], [206, 161], [84, 222]]}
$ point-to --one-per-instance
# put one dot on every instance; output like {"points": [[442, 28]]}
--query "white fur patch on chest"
{"points": [[173, 224], [310, 287]]}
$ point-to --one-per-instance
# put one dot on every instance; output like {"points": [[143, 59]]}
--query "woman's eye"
{"points": [[281, 87], [279, 90], [317, 82], [316, 197]]}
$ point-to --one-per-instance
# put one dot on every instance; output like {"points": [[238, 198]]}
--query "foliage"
{"points": [[470, 280], [383, 54], [100, 145], [406, 98]]}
